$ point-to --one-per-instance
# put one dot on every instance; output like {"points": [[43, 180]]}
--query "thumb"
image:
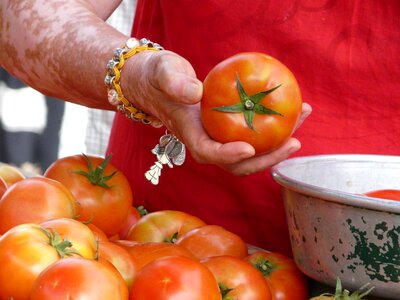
{"points": [[180, 83]]}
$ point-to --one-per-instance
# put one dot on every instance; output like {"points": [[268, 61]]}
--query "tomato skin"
{"points": [[96, 280], [10, 174], [144, 253], [98, 233], [389, 194], [175, 278], [284, 279], [107, 208], [133, 217], [213, 240], [3, 187], [25, 251], [257, 72], [120, 258], [234, 273], [82, 238], [163, 226], [34, 200]]}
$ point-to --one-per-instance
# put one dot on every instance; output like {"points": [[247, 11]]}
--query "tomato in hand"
{"points": [[103, 192], [175, 277], [389, 194], [33, 200], [79, 278], [237, 279], [163, 226], [251, 97], [284, 279], [213, 240]]}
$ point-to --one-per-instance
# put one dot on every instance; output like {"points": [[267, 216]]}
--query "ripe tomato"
{"points": [[144, 253], [237, 278], [175, 277], [251, 97], [10, 174], [284, 279], [389, 194], [82, 238], [25, 251], [98, 233], [102, 191], [213, 240], [79, 278], [163, 226], [120, 258], [34, 200], [135, 213], [3, 187]]}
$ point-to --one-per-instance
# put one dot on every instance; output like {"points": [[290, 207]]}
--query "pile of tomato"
{"points": [[74, 233]]}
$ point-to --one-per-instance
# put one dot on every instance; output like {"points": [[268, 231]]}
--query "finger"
{"points": [[305, 112], [262, 162], [177, 78]]}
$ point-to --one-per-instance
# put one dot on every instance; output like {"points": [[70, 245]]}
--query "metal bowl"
{"points": [[337, 232]]}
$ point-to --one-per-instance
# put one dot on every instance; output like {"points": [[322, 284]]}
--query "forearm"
{"points": [[59, 49]]}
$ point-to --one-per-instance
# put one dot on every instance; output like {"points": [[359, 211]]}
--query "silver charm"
{"points": [[169, 151]]}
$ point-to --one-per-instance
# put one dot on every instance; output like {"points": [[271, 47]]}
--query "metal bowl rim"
{"points": [[332, 195]]}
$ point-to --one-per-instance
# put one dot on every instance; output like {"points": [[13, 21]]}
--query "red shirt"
{"points": [[345, 55]]}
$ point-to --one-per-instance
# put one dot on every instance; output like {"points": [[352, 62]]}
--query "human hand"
{"points": [[165, 85]]}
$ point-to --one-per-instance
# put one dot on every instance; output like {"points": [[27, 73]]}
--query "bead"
{"points": [[113, 97], [108, 80], [132, 43]]}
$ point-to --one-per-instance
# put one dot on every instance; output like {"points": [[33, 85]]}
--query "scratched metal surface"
{"points": [[334, 230]]}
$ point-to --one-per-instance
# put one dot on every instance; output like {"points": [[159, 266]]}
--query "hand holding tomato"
{"points": [[174, 97]]}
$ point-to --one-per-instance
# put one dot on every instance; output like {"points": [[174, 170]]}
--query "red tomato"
{"points": [[79, 278], [284, 279], [34, 200], [213, 240], [98, 233], [134, 215], [82, 238], [25, 251], [175, 277], [163, 226], [389, 194], [3, 187], [102, 191], [237, 278], [10, 174], [251, 97], [144, 253], [120, 258]]}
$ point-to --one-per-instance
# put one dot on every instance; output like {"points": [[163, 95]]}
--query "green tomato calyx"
{"points": [[249, 105], [96, 176]]}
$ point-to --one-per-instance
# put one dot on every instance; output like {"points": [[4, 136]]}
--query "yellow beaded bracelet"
{"points": [[113, 76]]}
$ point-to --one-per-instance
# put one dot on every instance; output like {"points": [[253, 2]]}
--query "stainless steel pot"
{"points": [[337, 232]]}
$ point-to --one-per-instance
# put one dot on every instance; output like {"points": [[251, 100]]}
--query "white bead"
{"points": [[132, 43], [113, 97]]}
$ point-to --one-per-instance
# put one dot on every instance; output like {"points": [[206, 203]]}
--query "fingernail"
{"points": [[192, 91]]}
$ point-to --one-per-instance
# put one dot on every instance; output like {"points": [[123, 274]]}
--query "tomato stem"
{"points": [[224, 290], [96, 176], [62, 246], [249, 105]]}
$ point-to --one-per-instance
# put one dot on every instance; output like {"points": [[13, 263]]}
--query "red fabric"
{"points": [[345, 55]]}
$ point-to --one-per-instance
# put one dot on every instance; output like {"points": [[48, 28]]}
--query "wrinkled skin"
{"points": [[161, 83]]}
